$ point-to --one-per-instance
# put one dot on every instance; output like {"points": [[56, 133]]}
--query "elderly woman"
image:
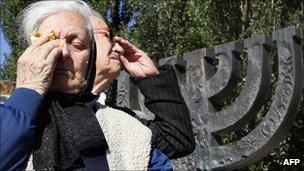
{"points": [[53, 99]]}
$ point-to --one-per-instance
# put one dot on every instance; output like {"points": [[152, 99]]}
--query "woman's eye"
{"points": [[77, 45]]}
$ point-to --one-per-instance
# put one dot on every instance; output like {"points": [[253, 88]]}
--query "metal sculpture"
{"points": [[207, 85]]}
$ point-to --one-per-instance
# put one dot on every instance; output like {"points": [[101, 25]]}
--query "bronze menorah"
{"points": [[211, 76]]}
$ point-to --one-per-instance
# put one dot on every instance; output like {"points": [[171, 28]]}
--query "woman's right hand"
{"points": [[36, 65]]}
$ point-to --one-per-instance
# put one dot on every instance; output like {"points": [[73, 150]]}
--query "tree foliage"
{"points": [[172, 27], [9, 11]]}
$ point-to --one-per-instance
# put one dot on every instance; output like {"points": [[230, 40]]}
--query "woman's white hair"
{"points": [[33, 15]]}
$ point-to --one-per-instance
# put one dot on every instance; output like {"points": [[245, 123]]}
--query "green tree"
{"points": [[9, 11]]}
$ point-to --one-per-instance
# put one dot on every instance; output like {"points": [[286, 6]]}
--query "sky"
{"points": [[4, 46]]}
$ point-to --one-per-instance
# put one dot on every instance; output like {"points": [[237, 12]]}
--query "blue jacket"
{"points": [[17, 123], [17, 133]]}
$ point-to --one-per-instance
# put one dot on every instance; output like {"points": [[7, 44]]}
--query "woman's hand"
{"points": [[36, 65], [135, 61], [108, 65]]}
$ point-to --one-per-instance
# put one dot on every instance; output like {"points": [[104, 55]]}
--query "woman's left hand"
{"points": [[135, 61]]}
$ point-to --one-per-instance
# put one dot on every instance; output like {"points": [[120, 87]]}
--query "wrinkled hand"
{"points": [[107, 60], [36, 65], [135, 61]]}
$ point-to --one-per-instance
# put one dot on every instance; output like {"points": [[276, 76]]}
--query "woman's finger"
{"points": [[45, 49], [118, 49], [125, 62], [54, 56], [125, 44], [40, 41]]}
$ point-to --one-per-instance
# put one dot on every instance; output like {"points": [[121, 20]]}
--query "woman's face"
{"points": [[69, 74]]}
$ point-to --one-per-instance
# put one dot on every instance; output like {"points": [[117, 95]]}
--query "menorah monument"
{"points": [[210, 78]]}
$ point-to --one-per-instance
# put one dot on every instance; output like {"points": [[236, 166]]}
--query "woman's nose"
{"points": [[118, 49], [65, 50]]}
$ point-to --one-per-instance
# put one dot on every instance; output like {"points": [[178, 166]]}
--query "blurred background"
{"points": [[165, 28]]}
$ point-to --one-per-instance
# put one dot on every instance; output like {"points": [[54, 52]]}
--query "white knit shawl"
{"points": [[128, 139]]}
